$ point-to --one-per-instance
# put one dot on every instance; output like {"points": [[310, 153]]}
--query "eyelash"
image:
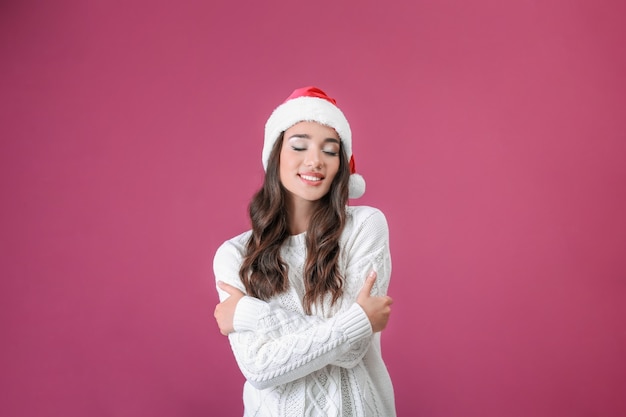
{"points": [[330, 153]]}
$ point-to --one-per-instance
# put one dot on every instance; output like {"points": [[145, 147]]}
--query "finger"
{"points": [[369, 284], [227, 288]]}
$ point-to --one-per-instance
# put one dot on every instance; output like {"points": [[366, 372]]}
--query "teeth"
{"points": [[309, 178]]}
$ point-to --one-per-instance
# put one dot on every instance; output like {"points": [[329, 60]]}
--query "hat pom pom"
{"points": [[356, 186]]}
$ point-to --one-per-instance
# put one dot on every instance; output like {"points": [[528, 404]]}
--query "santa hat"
{"points": [[311, 104]]}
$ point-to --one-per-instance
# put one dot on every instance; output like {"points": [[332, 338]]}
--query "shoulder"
{"points": [[227, 261], [358, 215], [366, 221], [365, 243], [233, 249]]}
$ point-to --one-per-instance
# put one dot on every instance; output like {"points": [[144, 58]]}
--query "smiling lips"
{"points": [[312, 178]]}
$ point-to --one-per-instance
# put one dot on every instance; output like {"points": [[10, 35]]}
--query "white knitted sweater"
{"points": [[325, 364]]}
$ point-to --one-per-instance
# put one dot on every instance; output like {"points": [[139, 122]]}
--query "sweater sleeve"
{"points": [[274, 346], [366, 249], [287, 346]]}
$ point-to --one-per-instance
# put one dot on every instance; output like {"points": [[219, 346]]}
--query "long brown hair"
{"points": [[263, 272]]}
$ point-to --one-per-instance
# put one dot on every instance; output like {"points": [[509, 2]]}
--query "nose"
{"points": [[313, 159]]}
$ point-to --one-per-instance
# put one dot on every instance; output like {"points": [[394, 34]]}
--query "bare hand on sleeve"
{"points": [[376, 308], [225, 311]]}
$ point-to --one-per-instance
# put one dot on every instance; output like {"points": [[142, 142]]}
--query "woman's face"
{"points": [[309, 160]]}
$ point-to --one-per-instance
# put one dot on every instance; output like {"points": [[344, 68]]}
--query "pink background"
{"points": [[491, 134]]}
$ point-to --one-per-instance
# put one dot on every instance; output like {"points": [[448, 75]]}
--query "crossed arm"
{"points": [[274, 345], [377, 309], [279, 346]]}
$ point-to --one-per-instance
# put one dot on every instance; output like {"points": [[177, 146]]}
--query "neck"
{"points": [[299, 215]]}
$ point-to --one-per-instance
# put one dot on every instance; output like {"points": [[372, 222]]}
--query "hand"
{"points": [[376, 308], [225, 311]]}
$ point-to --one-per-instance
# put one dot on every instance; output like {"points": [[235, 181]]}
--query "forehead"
{"points": [[313, 129]]}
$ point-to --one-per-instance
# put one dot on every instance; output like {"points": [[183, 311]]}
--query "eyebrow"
{"points": [[306, 136]]}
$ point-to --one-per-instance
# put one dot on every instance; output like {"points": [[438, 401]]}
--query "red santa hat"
{"points": [[313, 105]]}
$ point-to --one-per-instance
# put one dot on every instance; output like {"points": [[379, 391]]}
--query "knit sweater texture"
{"points": [[328, 363]]}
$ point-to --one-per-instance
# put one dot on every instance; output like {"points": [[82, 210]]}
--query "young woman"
{"points": [[303, 293]]}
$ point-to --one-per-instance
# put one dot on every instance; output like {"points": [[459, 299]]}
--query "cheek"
{"points": [[333, 168]]}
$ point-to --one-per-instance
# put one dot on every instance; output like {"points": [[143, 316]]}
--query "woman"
{"points": [[303, 293]]}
